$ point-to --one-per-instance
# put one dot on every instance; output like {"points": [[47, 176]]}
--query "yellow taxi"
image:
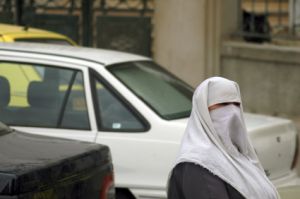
{"points": [[13, 33]]}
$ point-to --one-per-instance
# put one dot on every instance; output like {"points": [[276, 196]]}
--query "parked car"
{"points": [[14, 33], [125, 101], [33, 166]]}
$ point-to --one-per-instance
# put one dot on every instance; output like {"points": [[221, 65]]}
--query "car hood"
{"points": [[256, 121], [253, 121]]}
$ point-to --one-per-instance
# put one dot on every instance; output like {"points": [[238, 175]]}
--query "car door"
{"points": [[46, 97], [137, 151]]}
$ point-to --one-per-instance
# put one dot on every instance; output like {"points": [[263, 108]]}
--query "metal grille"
{"points": [[138, 6], [133, 35], [88, 21], [265, 20], [6, 12], [62, 16]]}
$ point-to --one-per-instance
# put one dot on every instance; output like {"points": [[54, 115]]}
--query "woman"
{"points": [[216, 159]]}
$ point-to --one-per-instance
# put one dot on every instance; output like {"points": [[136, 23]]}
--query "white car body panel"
{"points": [[142, 160], [259, 127]]}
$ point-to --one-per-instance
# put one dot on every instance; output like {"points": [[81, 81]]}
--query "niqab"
{"points": [[218, 141], [229, 126]]}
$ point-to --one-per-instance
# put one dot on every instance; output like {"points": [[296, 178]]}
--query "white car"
{"points": [[124, 101]]}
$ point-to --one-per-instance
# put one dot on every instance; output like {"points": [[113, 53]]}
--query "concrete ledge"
{"points": [[262, 52]]}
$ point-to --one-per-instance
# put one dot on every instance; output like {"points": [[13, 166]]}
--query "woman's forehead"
{"points": [[222, 91]]}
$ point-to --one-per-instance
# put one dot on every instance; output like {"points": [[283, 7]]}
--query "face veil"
{"points": [[218, 140], [229, 128]]}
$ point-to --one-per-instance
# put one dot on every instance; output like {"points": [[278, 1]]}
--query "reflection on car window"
{"points": [[165, 94], [42, 96], [75, 113], [114, 115]]}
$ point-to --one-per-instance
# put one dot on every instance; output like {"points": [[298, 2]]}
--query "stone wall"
{"points": [[268, 75]]}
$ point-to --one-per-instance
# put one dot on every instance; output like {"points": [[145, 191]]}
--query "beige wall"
{"points": [[179, 44], [187, 36], [268, 76]]}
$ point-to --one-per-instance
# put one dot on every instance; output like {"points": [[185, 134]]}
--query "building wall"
{"points": [[179, 43], [187, 36], [268, 76]]}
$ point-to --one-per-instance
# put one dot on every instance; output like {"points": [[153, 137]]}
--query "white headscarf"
{"points": [[222, 146]]}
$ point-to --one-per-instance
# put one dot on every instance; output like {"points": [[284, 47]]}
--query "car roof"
{"points": [[8, 29], [105, 57]]}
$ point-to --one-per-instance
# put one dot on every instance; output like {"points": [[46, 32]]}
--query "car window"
{"points": [[114, 115], [42, 96], [164, 93]]}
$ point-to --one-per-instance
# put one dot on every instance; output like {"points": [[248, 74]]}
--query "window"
{"points": [[42, 96], [114, 114], [165, 94], [263, 20]]}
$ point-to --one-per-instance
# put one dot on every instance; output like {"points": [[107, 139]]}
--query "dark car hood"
{"points": [[30, 161]]}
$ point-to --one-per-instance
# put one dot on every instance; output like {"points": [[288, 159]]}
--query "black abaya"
{"points": [[192, 181]]}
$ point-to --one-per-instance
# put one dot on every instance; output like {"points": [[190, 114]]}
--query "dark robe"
{"points": [[192, 181]]}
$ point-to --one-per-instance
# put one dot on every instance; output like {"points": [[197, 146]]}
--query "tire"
{"points": [[124, 194]]}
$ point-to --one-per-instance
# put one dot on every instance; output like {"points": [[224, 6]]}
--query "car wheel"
{"points": [[123, 194]]}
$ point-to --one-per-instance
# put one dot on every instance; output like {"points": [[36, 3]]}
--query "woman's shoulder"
{"points": [[201, 176]]}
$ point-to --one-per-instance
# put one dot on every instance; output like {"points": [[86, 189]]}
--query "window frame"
{"points": [[95, 76]]}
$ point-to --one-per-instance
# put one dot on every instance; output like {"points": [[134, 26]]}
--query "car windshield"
{"points": [[165, 94]]}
